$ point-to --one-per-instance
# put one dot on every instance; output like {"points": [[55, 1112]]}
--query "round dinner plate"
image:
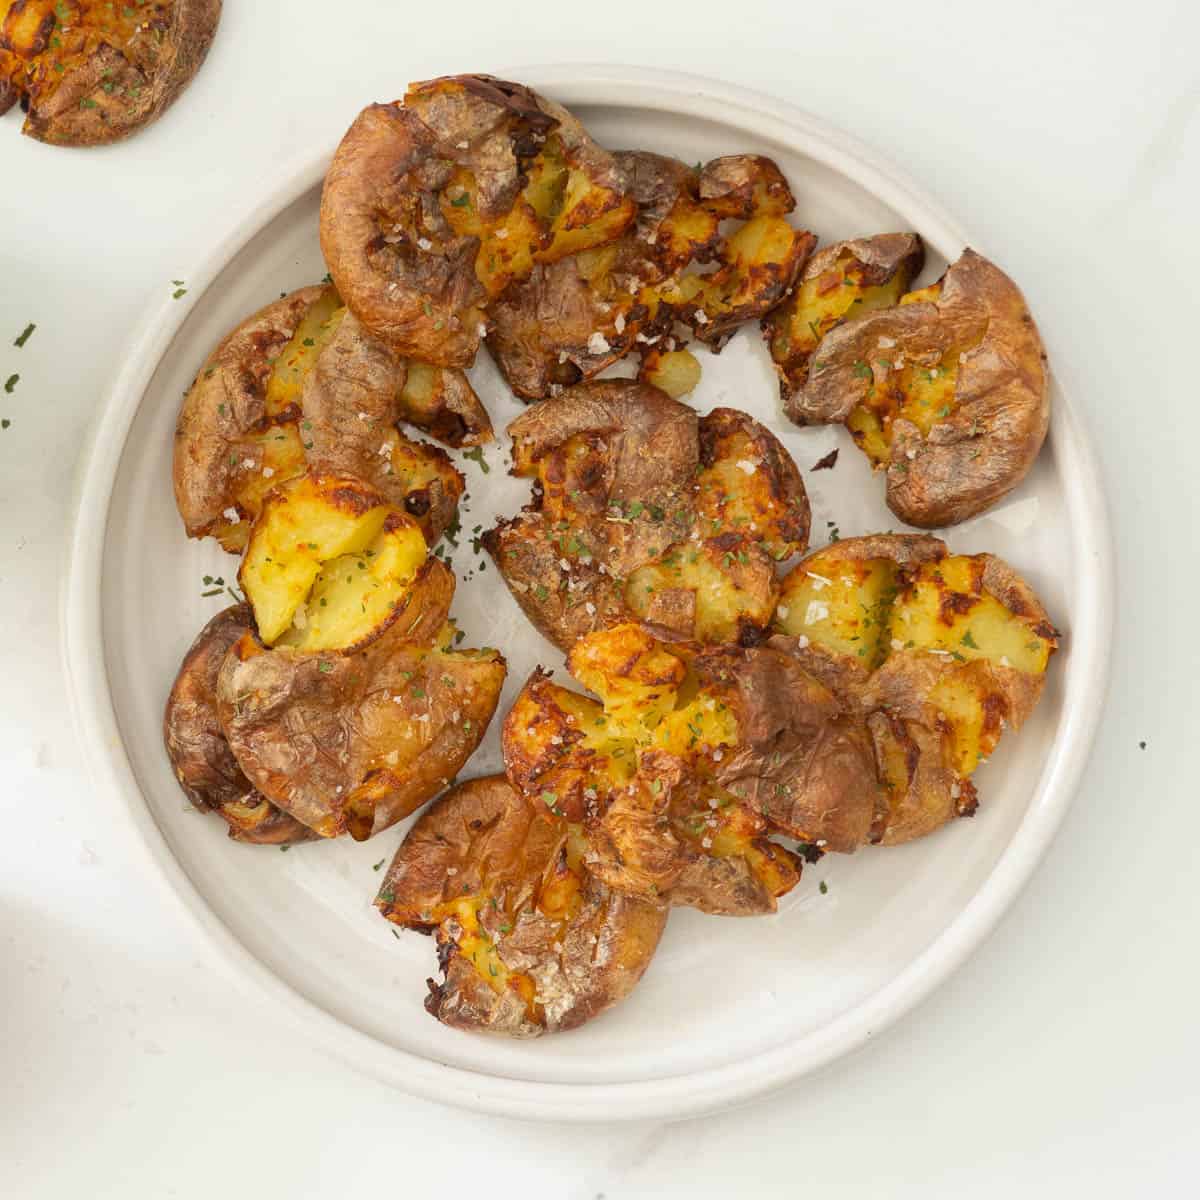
{"points": [[729, 1008]]}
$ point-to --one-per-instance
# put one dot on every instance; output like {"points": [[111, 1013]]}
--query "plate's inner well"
{"points": [[720, 990]]}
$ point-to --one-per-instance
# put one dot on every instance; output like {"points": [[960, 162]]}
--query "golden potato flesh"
{"points": [[722, 590], [529, 941], [840, 281], [328, 564], [676, 372]]}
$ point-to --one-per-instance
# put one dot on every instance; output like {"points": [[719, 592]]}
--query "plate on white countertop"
{"points": [[729, 1008]]}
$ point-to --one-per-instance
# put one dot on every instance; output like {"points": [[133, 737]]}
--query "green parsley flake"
{"points": [[10, 383], [25, 335]]}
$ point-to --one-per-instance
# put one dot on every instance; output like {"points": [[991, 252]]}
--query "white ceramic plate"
{"points": [[729, 1007]]}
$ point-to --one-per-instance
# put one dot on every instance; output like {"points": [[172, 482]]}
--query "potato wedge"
{"points": [[89, 72], [529, 941], [199, 754]]}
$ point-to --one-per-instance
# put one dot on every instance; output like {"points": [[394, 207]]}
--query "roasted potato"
{"points": [[300, 384], [88, 72], [529, 940], [433, 206], [937, 652], [842, 281], [571, 319], [946, 391], [199, 753], [689, 762], [642, 510], [355, 742]]}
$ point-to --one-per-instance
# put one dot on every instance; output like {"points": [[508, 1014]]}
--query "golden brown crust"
{"points": [[355, 742], [226, 404], [199, 753], [987, 441], [93, 72], [540, 945]]}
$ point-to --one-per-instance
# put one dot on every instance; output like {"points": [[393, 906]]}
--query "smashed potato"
{"points": [[434, 206], [570, 320], [947, 392], [199, 752], [299, 385], [89, 72], [938, 652], [642, 510], [529, 940], [689, 762], [354, 742]]}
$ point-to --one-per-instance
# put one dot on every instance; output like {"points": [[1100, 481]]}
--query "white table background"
{"points": [[1063, 1058]]}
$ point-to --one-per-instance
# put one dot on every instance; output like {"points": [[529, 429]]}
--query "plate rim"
{"points": [[679, 1095]]}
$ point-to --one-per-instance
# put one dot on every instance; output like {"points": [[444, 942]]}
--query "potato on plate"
{"points": [[689, 762], [354, 742], [939, 653], [947, 392], [89, 72], [434, 205], [842, 281], [641, 509], [529, 940], [299, 384], [572, 318], [199, 752]]}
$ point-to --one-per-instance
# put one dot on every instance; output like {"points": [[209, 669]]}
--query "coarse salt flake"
{"points": [[268, 472], [424, 243], [817, 610], [598, 344], [231, 514], [619, 323], [744, 464], [783, 611]]}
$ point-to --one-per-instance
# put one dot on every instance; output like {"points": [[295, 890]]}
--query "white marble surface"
{"points": [[1064, 1057]]}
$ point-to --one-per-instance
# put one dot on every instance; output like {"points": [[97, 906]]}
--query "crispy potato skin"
{"points": [[92, 73], [355, 742], [351, 404], [856, 272], [497, 879], [977, 325], [643, 510], [199, 753], [801, 761], [409, 268], [225, 406]]}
